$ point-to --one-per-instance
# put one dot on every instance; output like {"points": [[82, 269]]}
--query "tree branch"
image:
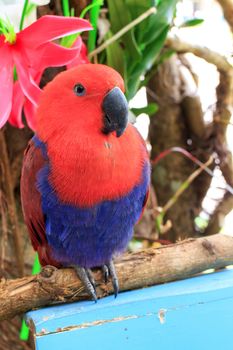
{"points": [[222, 113], [136, 270], [208, 55], [227, 7], [217, 218]]}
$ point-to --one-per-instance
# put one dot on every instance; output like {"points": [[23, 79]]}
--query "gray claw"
{"points": [[86, 277], [105, 273], [91, 278], [109, 270]]}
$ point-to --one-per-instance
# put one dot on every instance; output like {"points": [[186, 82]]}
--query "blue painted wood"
{"points": [[193, 314]]}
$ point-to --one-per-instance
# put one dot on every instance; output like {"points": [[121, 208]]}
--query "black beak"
{"points": [[115, 109]]}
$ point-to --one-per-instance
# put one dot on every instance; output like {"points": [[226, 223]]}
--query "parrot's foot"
{"points": [[109, 271], [86, 277]]}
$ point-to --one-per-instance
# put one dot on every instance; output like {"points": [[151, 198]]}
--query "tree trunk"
{"points": [[179, 121]]}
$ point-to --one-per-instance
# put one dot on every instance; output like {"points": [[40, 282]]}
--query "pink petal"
{"points": [[48, 28], [15, 118], [52, 55], [6, 83], [30, 114], [78, 43], [36, 74], [83, 55], [29, 87]]}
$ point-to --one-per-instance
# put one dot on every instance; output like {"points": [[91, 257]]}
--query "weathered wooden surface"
{"points": [[137, 270], [193, 314]]}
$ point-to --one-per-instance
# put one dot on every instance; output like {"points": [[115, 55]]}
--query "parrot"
{"points": [[85, 175]]}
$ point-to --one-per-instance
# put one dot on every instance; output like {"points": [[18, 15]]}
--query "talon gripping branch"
{"points": [[86, 173]]}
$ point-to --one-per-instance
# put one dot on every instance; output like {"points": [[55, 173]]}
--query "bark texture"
{"points": [[136, 270], [178, 120], [227, 7]]}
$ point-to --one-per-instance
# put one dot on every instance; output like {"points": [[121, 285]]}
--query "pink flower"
{"points": [[31, 52], [82, 57]]}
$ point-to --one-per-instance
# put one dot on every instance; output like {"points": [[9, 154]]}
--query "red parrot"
{"points": [[86, 173]]}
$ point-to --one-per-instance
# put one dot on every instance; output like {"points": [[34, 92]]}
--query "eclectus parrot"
{"points": [[85, 175]]}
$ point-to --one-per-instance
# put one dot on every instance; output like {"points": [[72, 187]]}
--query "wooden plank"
{"points": [[196, 313]]}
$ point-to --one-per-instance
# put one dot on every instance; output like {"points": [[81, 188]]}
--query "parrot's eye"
{"points": [[79, 90]]}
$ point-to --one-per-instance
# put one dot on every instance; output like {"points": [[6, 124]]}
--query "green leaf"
{"points": [[150, 109], [158, 21], [66, 8], [94, 15], [15, 76], [23, 14], [95, 3], [135, 245], [7, 29], [141, 46], [136, 8], [115, 56], [119, 17], [30, 8], [159, 222], [165, 55], [151, 40], [24, 332], [149, 56], [67, 41], [192, 22], [201, 223]]}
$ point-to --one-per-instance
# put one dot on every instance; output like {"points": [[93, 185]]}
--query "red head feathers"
{"points": [[81, 113], [73, 100]]}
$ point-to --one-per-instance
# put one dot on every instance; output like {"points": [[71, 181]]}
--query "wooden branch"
{"points": [[227, 7], [224, 94], [223, 112], [191, 102], [225, 87], [136, 270], [192, 108], [208, 55], [224, 206]]}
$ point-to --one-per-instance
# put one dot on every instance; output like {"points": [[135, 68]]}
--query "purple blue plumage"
{"points": [[89, 237]]}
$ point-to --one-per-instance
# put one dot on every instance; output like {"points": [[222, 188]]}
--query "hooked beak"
{"points": [[115, 109]]}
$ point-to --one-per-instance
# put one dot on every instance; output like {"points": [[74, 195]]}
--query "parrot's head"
{"points": [[84, 100]]}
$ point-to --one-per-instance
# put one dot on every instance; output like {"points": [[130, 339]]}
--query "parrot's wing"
{"points": [[148, 189], [31, 202], [144, 203]]}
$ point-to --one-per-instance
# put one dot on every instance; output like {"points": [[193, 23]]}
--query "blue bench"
{"points": [[193, 314]]}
